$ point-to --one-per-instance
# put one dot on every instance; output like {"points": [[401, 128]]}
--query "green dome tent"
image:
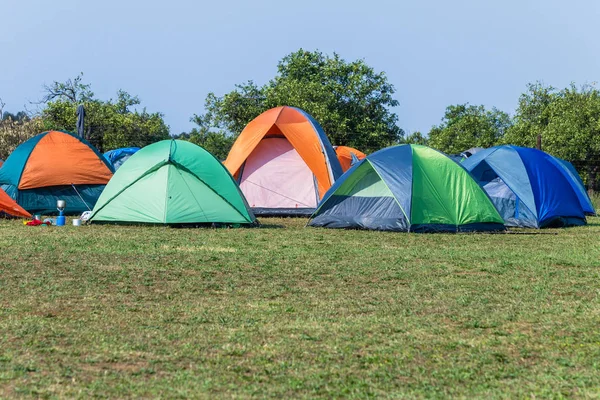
{"points": [[172, 182], [408, 188]]}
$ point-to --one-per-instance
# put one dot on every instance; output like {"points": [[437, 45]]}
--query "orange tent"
{"points": [[283, 162], [55, 165], [10, 207], [344, 155]]}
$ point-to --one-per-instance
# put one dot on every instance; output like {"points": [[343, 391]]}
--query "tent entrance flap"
{"points": [[275, 176], [363, 200], [509, 206]]}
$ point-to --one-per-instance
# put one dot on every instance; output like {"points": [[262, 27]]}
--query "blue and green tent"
{"points": [[409, 188]]}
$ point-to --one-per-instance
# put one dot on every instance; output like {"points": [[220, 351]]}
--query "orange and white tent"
{"points": [[283, 162]]}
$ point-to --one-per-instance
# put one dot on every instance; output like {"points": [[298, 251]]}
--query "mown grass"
{"points": [[286, 311]]}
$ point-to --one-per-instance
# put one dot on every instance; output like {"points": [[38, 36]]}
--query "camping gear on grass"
{"points": [[528, 187], [36, 222], [60, 206], [55, 165], [283, 162], [407, 188], [172, 182]]}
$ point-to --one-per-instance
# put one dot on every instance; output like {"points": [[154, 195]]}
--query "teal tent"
{"points": [[172, 182], [55, 165]]}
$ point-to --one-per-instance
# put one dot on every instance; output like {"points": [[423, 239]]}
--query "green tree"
{"points": [[569, 123], [13, 132], [230, 113], [416, 138], [465, 126], [19, 116], [72, 90], [108, 124], [216, 143], [350, 100], [532, 115]]}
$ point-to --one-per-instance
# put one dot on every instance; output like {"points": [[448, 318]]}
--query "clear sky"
{"points": [[172, 53]]}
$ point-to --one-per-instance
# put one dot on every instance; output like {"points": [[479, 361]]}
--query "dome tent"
{"points": [[283, 162], [347, 156], [528, 187], [407, 188], [172, 182], [55, 165], [118, 156]]}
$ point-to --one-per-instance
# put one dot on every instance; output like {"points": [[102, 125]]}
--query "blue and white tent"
{"points": [[118, 156], [529, 188]]}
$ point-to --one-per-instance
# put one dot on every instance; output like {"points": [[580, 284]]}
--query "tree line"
{"points": [[566, 120], [109, 124], [351, 100]]}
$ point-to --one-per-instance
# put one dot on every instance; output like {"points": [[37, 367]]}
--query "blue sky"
{"points": [[171, 54]]}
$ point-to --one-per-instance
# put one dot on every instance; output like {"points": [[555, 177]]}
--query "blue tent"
{"points": [[578, 186], [119, 156], [528, 187]]}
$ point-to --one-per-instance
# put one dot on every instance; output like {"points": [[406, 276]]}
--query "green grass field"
{"points": [[286, 311]]}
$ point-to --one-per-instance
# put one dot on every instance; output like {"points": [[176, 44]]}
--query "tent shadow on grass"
{"points": [[271, 226], [258, 225]]}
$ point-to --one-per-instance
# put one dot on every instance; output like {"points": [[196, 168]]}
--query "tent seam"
{"points": [[437, 193], [209, 187], [535, 209], [27, 159], [155, 168], [322, 203], [482, 189], [393, 195]]}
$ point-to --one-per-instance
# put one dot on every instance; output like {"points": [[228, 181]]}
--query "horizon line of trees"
{"points": [[567, 120], [353, 103]]}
